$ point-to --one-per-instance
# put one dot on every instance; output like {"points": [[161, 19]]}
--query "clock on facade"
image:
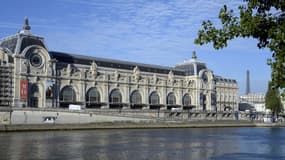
{"points": [[36, 60]]}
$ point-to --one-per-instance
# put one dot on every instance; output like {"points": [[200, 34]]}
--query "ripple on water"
{"points": [[185, 143]]}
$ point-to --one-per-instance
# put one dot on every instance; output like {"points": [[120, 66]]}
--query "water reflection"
{"points": [[228, 143]]}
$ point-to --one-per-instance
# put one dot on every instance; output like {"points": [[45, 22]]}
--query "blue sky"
{"points": [[158, 32]]}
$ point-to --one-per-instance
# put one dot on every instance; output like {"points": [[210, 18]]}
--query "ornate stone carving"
{"points": [[93, 69], [170, 78], [116, 75], [136, 73], [49, 68], [68, 69], [154, 79], [170, 75], [181, 83], [82, 74], [191, 83], [25, 67], [69, 81], [66, 72]]}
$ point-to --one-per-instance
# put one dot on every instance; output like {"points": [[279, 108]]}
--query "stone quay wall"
{"points": [[64, 116]]}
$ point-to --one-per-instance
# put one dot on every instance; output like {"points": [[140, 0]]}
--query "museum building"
{"points": [[33, 76]]}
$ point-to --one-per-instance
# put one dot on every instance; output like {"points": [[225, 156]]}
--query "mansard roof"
{"points": [[112, 63], [191, 66], [9, 43], [221, 79], [18, 42]]}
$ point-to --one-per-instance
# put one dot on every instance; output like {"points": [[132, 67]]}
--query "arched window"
{"points": [[67, 94], [115, 96], [186, 100], [213, 99], [93, 96], [171, 99], [34, 90], [34, 96], [136, 97], [203, 99], [154, 98]]}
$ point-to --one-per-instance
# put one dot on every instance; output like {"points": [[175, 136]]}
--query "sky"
{"points": [[160, 32]]}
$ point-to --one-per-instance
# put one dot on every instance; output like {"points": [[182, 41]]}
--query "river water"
{"points": [[146, 144]]}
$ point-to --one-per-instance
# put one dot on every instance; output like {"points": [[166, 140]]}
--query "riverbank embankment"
{"points": [[132, 125]]}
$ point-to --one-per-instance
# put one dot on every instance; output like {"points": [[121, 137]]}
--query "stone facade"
{"points": [[56, 79], [227, 94]]}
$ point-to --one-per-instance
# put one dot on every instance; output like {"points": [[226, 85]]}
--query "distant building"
{"points": [[37, 77], [251, 101], [257, 100]]}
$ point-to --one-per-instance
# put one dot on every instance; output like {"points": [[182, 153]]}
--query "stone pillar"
{"points": [[163, 97], [105, 95], [179, 97], [145, 99], [20, 66], [105, 91]]}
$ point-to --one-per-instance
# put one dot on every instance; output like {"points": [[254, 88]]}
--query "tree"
{"points": [[263, 20], [273, 100]]}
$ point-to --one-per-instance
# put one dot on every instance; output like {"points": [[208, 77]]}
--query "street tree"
{"points": [[273, 100], [263, 20]]}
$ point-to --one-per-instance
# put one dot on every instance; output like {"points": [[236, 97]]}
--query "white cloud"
{"points": [[157, 32], [148, 27]]}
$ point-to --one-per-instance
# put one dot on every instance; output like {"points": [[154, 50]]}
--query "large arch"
{"points": [[154, 100], [186, 100], [67, 96], [203, 100], [115, 99], [136, 99], [34, 95], [171, 100], [93, 98]]}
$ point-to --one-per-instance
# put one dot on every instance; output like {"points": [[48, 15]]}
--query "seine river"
{"points": [[146, 144]]}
